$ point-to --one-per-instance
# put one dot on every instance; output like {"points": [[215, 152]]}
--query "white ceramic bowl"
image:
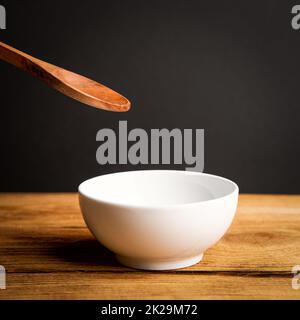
{"points": [[158, 219]]}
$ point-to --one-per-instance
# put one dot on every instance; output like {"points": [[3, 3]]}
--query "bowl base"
{"points": [[158, 265]]}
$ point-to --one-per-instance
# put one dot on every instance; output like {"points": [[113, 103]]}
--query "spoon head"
{"points": [[88, 91]]}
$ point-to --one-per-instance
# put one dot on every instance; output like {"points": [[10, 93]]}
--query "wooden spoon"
{"points": [[71, 84]]}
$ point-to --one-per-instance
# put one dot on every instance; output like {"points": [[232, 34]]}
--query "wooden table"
{"points": [[48, 253]]}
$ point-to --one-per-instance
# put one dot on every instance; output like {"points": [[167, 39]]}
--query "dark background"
{"points": [[230, 67]]}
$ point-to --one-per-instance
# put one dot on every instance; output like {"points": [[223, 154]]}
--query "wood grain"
{"points": [[49, 254], [69, 83]]}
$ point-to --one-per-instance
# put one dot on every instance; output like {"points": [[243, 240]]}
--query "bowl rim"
{"points": [[156, 206]]}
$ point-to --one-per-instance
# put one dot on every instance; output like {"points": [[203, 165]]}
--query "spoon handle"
{"points": [[23, 61], [69, 83], [14, 56]]}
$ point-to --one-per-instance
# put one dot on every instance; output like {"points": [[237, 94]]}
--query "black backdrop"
{"points": [[230, 67]]}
